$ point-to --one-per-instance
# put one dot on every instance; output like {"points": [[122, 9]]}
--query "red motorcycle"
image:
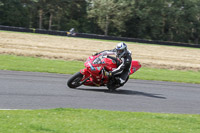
{"points": [[94, 73]]}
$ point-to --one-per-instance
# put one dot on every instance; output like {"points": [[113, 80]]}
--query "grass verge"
{"points": [[20, 63], [95, 121]]}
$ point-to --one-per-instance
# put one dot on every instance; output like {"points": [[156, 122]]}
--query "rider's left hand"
{"points": [[94, 54]]}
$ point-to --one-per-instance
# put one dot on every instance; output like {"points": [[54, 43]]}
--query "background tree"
{"points": [[13, 13], [166, 20], [109, 12]]}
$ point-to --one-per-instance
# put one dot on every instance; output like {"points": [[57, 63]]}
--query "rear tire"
{"points": [[112, 85], [75, 80]]}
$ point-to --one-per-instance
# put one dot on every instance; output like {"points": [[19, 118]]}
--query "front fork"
{"points": [[86, 75]]}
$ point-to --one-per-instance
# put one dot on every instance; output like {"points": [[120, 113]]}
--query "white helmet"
{"points": [[121, 49]]}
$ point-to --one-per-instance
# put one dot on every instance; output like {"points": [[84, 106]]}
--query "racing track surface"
{"points": [[32, 90]]}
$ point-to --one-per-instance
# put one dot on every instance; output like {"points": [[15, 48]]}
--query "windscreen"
{"points": [[97, 61]]}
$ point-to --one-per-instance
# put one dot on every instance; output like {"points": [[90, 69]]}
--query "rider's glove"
{"points": [[94, 54]]}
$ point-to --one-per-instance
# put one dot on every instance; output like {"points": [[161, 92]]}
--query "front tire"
{"points": [[75, 80]]}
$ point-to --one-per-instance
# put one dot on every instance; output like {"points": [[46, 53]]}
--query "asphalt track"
{"points": [[33, 90]]}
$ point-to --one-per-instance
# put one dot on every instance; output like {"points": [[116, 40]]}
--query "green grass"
{"points": [[20, 63], [167, 75], [95, 121]]}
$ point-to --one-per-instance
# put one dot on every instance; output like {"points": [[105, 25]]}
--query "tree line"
{"points": [[166, 20]]}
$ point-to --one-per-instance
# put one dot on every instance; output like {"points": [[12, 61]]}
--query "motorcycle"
{"points": [[94, 73]]}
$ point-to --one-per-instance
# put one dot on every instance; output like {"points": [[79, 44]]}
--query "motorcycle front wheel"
{"points": [[75, 80]]}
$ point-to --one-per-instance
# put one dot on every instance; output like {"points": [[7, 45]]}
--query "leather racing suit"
{"points": [[123, 69]]}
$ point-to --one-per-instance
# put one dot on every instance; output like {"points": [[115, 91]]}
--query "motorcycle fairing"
{"points": [[135, 65], [95, 67]]}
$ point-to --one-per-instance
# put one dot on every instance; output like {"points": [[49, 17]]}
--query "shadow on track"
{"points": [[126, 92]]}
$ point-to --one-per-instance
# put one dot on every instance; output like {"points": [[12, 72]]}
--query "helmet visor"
{"points": [[120, 51]]}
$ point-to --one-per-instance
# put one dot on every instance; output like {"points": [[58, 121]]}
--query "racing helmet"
{"points": [[121, 49]]}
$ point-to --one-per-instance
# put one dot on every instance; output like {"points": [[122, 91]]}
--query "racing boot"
{"points": [[119, 82]]}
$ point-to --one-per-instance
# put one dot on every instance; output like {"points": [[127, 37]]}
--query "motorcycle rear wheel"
{"points": [[75, 80], [112, 86]]}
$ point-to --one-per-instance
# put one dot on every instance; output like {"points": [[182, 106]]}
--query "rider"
{"points": [[123, 69]]}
